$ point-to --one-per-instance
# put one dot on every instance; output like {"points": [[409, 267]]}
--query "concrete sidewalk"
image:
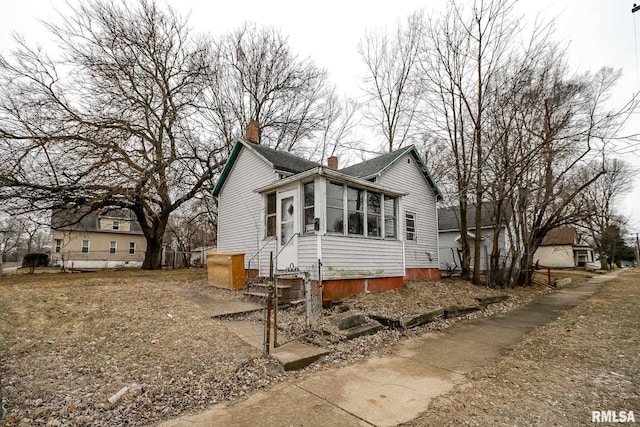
{"points": [[395, 388]]}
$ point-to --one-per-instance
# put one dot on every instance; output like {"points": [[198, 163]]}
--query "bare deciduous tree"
{"points": [[390, 84], [464, 56], [112, 120], [601, 198], [259, 77]]}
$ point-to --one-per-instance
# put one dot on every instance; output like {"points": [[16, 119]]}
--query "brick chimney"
{"points": [[332, 162], [252, 131]]}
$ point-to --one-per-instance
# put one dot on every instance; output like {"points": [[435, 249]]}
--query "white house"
{"points": [[449, 237], [560, 249], [362, 228]]}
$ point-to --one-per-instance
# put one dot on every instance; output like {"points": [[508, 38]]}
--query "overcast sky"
{"points": [[598, 32]]}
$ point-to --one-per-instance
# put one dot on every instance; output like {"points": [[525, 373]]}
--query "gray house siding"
{"points": [[307, 255], [449, 248], [240, 210], [421, 200], [354, 258]]}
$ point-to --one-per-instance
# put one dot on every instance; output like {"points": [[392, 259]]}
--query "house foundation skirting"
{"points": [[422, 274], [335, 289], [251, 273]]}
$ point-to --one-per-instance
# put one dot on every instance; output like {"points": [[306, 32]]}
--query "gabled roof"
{"points": [[82, 218], [448, 217], [560, 236], [276, 159], [282, 160], [379, 165], [287, 162]]}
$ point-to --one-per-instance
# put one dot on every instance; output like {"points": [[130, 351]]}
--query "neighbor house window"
{"points": [[270, 220], [410, 225], [389, 217], [355, 210], [58, 245], [116, 225], [85, 246], [335, 208], [309, 207], [112, 247], [132, 248], [374, 215]]}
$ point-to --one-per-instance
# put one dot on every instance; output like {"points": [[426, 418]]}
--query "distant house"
{"points": [[560, 249], [449, 237], [362, 228], [104, 239]]}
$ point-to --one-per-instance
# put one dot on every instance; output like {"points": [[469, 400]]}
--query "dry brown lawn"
{"points": [[72, 340]]}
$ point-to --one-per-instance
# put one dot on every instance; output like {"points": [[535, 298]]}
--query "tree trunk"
{"points": [[526, 272], [464, 241], [153, 255]]}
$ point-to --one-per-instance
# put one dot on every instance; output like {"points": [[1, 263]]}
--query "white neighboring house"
{"points": [[449, 237], [364, 228], [105, 239], [560, 249]]}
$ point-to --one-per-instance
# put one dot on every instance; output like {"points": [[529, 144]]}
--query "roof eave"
{"points": [[328, 173]]}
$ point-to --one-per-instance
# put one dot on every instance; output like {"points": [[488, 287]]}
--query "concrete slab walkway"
{"points": [[395, 388]]}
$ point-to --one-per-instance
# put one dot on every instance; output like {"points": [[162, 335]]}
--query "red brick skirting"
{"points": [[422, 274], [336, 289]]}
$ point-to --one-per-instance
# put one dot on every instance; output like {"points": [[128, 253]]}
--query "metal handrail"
{"points": [[260, 250], [297, 233]]}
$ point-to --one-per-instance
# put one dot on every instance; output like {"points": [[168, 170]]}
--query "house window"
{"points": [[355, 210], [410, 225], [58, 245], [112, 247], [270, 224], [389, 217], [335, 208], [116, 225], [132, 248], [374, 215], [309, 207], [85, 246]]}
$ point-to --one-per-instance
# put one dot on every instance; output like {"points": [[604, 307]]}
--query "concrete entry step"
{"points": [[294, 355]]}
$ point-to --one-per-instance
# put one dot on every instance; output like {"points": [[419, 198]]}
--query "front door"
{"points": [[288, 218]]}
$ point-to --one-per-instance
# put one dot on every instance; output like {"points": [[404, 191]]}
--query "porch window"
{"points": [[309, 208], [374, 215], [85, 246], [389, 217], [355, 210], [132, 248], [270, 225], [112, 247], [410, 225], [58, 245], [335, 208]]}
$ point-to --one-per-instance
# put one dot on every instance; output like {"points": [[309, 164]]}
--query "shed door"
{"points": [[288, 218]]}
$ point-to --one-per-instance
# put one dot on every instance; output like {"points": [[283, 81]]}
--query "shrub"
{"points": [[35, 260]]}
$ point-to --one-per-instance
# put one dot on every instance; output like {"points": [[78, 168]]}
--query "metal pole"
{"points": [[267, 329], [275, 312]]}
